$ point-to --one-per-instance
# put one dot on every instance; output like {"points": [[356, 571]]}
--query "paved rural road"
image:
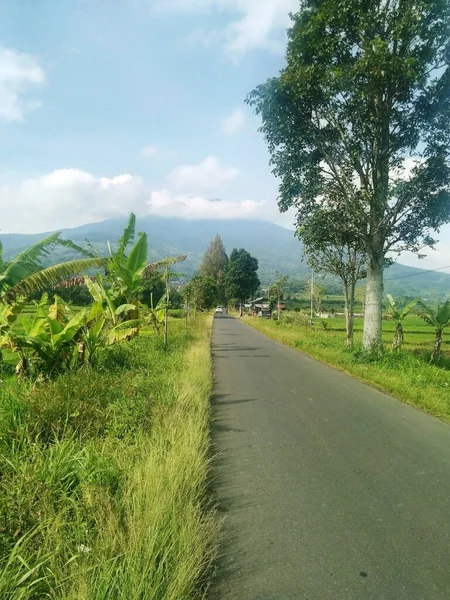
{"points": [[330, 490]]}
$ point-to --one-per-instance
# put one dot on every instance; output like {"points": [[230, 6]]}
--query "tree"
{"points": [[440, 319], [214, 264], [332, 246], [360, 115], [241, 279], [277, 290], [399, 315], [201, 293], [317, 292]]}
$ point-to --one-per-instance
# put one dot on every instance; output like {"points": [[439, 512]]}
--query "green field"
{"points": [[407, 374]]}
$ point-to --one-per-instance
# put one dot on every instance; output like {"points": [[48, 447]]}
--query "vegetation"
{"points": [[201, 293], [332, 246], [104, 434], [241, 279], [215, 264], [440, 319], [359, 116], [399, 316], [103, 475]]}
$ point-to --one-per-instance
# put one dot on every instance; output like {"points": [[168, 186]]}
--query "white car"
{"points": [[219, 309]]}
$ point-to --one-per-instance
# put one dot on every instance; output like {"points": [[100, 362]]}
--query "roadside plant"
{"points": [[440, 319], [399, 315]]}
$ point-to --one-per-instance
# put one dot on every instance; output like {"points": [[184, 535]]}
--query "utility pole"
{"points": [[312, 293]]}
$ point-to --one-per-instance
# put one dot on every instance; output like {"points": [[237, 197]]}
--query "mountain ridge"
{"points": [[275, 247]]}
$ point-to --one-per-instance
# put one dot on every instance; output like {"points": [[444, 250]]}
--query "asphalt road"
{"points": [[329, 489]]}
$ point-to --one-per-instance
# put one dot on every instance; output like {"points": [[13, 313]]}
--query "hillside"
{"points": [[275, 247]]}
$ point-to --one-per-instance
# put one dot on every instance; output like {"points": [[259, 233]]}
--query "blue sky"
{"points": [[108, 106]]}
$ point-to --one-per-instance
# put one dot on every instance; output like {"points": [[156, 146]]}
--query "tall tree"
{"points": [[332, 246], [361, 113], [214, 264], [241, 279]]}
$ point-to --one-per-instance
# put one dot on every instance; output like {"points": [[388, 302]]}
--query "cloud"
{"points": [[18, 73], [234, 122], [253, 24], [167, 203], [149, 151], [209, 174], [70, 197]]}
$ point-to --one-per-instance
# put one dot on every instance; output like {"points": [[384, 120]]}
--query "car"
{"points": [[219, 309]]}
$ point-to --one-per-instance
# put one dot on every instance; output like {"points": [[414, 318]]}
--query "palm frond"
{"points": [[48, 278], [427, 314], [124, 330], [137, 259]]}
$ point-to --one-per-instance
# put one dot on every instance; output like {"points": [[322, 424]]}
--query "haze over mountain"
{"points": [[275, 247]]}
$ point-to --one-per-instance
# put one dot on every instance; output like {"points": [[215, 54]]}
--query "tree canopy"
{"points": [[241, 279]]}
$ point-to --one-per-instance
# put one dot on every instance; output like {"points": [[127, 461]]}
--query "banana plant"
{"points": [[106, 324], [127, 273], [24, 275], [399, 316], [438, 318], [49, 337]]}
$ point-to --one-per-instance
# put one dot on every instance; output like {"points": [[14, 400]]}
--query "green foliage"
{"points": [[363, 96], [201, 293], [104, 476], [440, 319], [241, 279], [399, 315]]}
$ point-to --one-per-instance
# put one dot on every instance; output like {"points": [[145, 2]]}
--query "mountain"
{"points": [[275, 247]]}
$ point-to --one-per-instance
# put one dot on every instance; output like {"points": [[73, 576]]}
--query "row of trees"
{"points": [[358, 128], [56, 337]]}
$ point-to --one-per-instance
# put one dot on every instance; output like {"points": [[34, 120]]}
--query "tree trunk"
{"points": [[240, 310], [398, 337], [374, 297], [437, 346], [349, 299]]}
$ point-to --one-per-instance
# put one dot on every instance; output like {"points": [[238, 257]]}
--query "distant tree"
{"points": [[241, 279], [440, 319], [277, 291], [360, 114], [332, 246], [399, 315], [318, 293], [214, 264], [360, 296], [201, 293]]}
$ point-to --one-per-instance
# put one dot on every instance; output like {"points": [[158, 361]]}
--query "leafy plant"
{"points": [[399, 316], [440, 319]]}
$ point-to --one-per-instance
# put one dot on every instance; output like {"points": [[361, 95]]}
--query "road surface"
{"points": [[329, 489]]}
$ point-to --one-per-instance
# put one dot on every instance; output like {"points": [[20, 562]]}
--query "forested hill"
{"points": [[275, 247]]}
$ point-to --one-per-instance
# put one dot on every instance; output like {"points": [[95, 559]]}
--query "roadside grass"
{"points": [[406, 375], [103, 476]]}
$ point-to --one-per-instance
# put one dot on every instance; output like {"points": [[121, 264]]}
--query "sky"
{"points": [[112, 106]]}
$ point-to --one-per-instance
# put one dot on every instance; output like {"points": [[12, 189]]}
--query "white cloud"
{"points": [[209, 174], [68, 198], [18, 73], [253, 24], [149, 151], [234, 122], [166, 203]]}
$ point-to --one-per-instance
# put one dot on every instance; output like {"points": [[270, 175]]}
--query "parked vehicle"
{"points": [[219, 309]]}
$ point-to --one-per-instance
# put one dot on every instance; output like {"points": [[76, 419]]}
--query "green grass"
{"points": [[406, 374], [103, 476]]}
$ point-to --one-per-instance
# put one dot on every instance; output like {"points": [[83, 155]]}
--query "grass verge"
{"points": [[103, 476], [406, 375]]}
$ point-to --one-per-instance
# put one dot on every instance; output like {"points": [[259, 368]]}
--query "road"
{"points": [[329, 489]]}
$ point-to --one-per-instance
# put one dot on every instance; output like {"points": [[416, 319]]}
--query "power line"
{"points": [[417, 274]]}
